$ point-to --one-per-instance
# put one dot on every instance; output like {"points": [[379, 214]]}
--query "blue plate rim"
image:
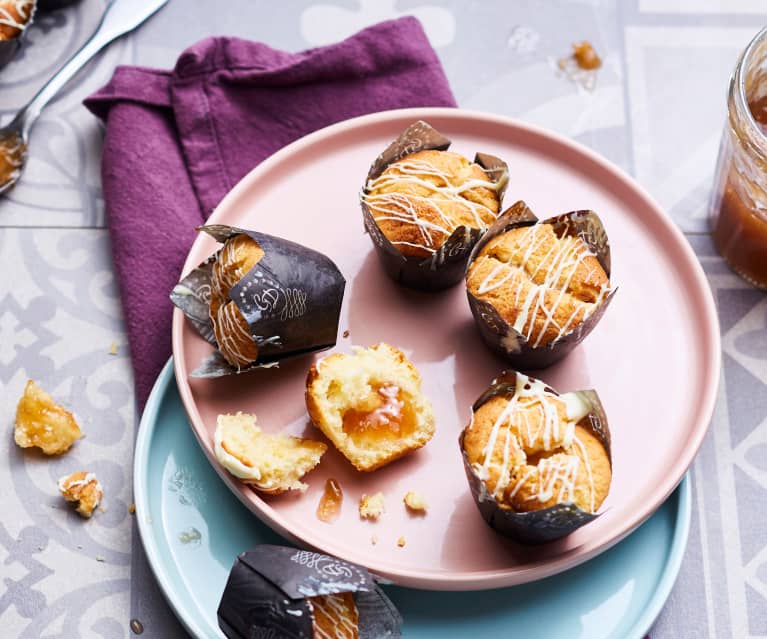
{"points": [[141, 498]]}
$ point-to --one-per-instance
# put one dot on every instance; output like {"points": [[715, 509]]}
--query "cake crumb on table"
{"points": [[84, 490], [132, 509], [372, 506], [415, 502], [113, 349]]}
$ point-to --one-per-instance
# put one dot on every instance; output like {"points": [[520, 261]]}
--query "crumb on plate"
{"points": [[372, 506], [415, 502]]}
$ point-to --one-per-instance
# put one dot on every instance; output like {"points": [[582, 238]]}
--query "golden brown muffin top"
{"points": [[14, 17], [238, 255], [542, 285], [418, 201], [531, 453]]}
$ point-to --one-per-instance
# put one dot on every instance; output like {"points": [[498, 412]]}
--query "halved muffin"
{"points": [[370, 405], [271, 463]]}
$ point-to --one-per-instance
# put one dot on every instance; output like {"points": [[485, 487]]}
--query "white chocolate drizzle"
{"points": [[22, 8], [559, 265], [403, 207], [332, 607], [518, 435]]}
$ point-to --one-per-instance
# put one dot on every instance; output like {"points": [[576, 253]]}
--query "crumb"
{"points": [[99, 558], [372, 506], [374, 540], [132, 508], [83, 489], [113, 349], [41, 422], [346, 334], [415, 502], [401, 542], [102, 510]]}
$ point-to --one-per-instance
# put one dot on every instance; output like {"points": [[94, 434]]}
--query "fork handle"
{"points": [[120, 17]]}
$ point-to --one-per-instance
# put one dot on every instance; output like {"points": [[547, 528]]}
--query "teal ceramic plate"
{"points": [[193, 527]]}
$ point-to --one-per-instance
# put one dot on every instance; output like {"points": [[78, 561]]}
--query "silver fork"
{"points": [[120, 17]]}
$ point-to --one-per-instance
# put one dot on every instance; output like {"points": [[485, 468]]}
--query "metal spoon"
{"points": [[120, 17]]}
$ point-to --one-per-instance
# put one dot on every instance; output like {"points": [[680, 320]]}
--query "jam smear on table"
{"points": [[329, 507], [740, 225], [585, 56]]}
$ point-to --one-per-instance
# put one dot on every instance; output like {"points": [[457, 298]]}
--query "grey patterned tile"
{"points": [[59, 316]]}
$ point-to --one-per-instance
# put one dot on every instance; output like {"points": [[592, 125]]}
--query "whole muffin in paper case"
{"points": [[260, 299], [277, 591], [425, 207], [538, 462], [537, 288]]}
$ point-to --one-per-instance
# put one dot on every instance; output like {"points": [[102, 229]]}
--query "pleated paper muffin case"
{"points": [[291, 301], [447, 265], [547, 524], [500, 336], [268, 586], [9, 48]]}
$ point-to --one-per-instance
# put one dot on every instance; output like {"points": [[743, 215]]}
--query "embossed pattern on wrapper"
{"points": [[268, 587]]}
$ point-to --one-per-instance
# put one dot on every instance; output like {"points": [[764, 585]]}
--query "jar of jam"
{"points": [[738, 209]]}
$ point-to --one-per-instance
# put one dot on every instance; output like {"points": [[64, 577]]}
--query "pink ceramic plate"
{"points": [[654, 358]]}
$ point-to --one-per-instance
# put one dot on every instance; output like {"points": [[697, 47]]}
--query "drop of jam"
{"points": [[585, 56], [329, 507]]}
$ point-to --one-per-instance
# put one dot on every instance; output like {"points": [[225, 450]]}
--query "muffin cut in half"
{"points": [[530, 450], [370, 405], [270, 463]]}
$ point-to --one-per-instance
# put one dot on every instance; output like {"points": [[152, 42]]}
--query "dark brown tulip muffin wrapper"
{"points": [[547, 524], [291, 300], [447, 266], [496, 331], [266, 593]]}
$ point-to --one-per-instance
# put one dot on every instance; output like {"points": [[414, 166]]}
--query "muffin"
{"points": [[538, 462], [270, 463], [235, 342], [537, 288], [370, 405], [15, 16], [277, 591], [259, 300], [425, 206]]}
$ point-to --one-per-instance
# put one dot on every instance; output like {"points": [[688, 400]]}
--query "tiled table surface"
{"points": [[657, 111]]}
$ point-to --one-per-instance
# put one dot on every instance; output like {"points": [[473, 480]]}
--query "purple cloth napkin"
{"points": [[177, 141]]}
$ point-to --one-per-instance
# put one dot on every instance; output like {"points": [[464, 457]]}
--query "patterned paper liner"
{"points": [[538, 526], [9, 48], [447, 265], [265, 595], [291, 300], [501, 336]]}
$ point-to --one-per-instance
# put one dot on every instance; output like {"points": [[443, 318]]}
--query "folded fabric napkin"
{"points": [[177, 141]]}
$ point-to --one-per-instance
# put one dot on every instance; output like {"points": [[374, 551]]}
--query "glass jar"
{"points": [[738, 208]]}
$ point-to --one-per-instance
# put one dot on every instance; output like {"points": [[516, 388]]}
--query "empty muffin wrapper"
{"points": [[547, 524], [447, 265], [291, 300], [501, 336], [265, 595]]}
